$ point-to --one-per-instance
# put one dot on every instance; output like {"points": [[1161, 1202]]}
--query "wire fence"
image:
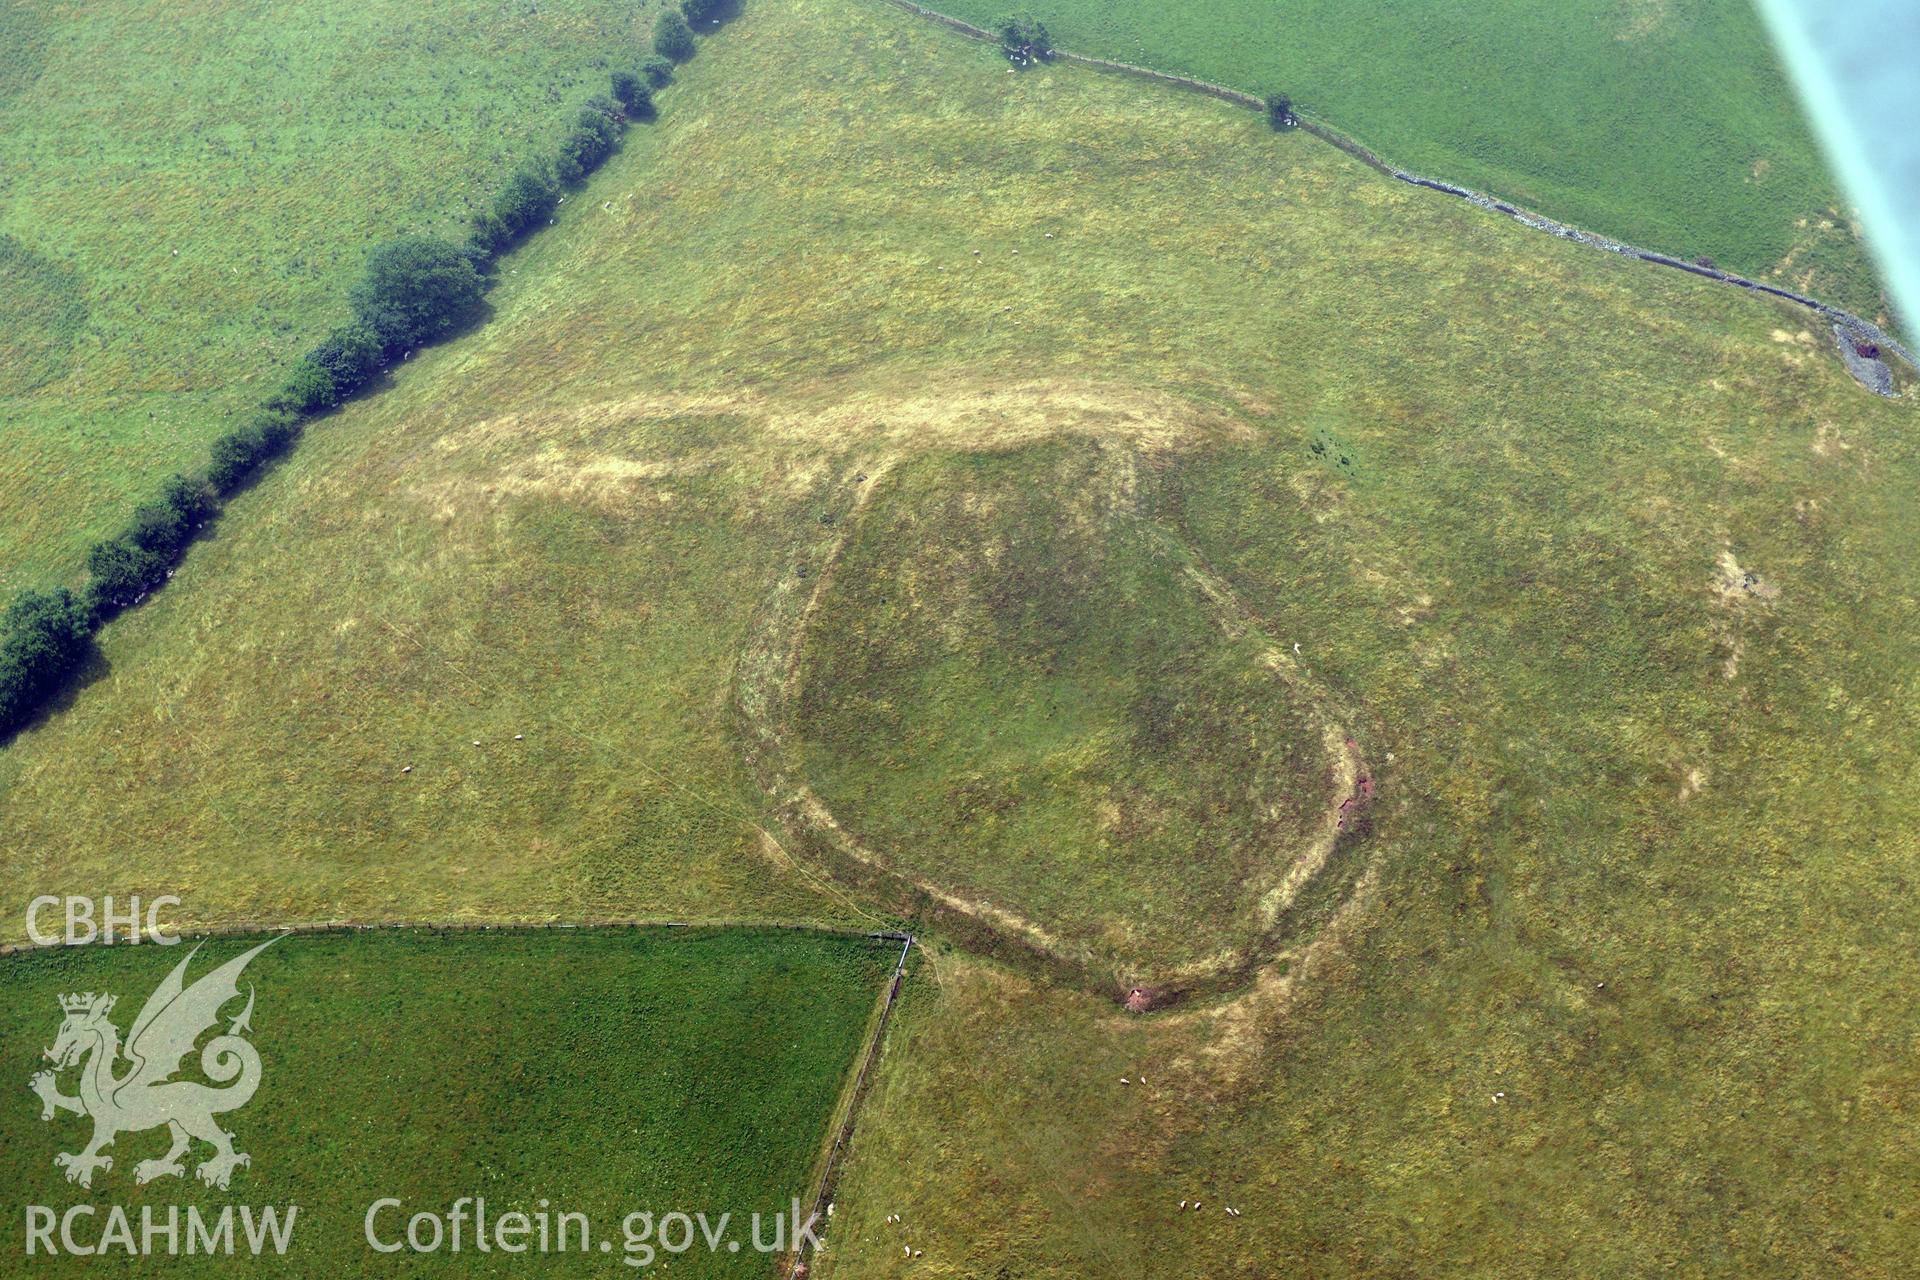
{"points": [[843, 1139], [254, 930], [1856, 328], [870, 1054]]}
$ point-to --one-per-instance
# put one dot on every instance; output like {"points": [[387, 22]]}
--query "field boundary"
{"points": [[848, 1110], [1856, 329], [312, 927], [841, 1121]]}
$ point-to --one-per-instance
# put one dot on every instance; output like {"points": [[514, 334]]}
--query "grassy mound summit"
{"points": [[1014, 685]]}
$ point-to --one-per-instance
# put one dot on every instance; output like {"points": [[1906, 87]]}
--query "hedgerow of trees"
{"points": [[416, 290], [595, 133], [125, 567], [47, 635], [634, 95], [672, 37], [657, 70], [531, 195], [1024, 39]]}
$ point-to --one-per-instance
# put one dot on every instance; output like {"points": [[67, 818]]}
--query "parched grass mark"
{"points": [[1736, 589], [565, 454]]}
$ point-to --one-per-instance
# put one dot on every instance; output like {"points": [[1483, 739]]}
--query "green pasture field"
{"points": [[186, 191], [1665, 123], [1608, 567], [603, 1072]]}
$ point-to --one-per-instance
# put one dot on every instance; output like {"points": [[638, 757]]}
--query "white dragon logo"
{"points": [[143, 1097]]}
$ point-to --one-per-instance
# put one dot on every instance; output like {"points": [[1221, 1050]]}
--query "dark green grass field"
{"points": [[1666, 123], [605, 1072], [187, 191]]}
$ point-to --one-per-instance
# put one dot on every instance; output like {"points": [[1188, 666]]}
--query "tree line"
{"points": [[416, 290], [1026, 42]]}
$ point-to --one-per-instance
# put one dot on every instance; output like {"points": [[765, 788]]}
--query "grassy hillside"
{"points": [[1607, 568], [185, 195], [1666, 123], [689, 1072]]}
